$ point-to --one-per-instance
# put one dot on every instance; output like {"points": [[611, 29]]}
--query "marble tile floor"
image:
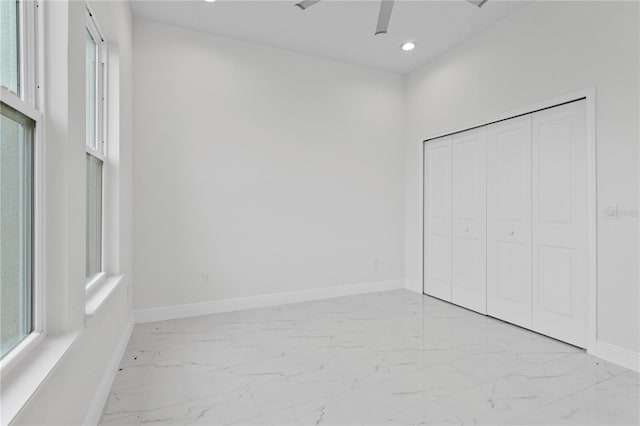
{"points": [[393, 357]]}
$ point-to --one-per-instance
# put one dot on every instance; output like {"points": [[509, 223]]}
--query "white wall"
{"points": [[67, 395], [268, 170], [545, 50], [221, 127]]}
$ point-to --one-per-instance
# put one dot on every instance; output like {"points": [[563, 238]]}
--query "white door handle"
{"points": [[512, 232]]}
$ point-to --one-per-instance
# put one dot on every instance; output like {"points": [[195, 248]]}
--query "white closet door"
{"points": [[437, 218], [468, 228], [560, 263], [509, 220]]}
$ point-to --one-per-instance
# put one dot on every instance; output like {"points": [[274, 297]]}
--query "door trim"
{"points": [[589, 95]]}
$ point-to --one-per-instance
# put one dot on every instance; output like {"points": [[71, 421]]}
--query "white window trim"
{"points": [[28, 33], [94, 283], [101, 89], [101, 286], [27, 102]]}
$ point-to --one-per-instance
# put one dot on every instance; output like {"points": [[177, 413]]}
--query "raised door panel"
{"points": [[509, 220], [559, 233], [437, 218], [468, 257]]}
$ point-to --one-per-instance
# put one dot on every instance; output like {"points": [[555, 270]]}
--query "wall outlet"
{"points": [[206, 278], [612, 212]]}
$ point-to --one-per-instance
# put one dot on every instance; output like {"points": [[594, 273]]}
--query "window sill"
{"points": [[98, 292], [29, 365], [36, 365]]}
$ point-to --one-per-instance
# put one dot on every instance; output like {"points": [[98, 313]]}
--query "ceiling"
{"points": [[337, 29]]}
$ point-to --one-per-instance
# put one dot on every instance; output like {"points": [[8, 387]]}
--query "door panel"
{"points": [[559, 234], [511, 285], [468, 258], [437, 218], [554, 290], [509, 220]]}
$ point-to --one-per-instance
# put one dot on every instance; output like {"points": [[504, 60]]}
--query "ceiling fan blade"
{"points": [[386, 6], [308, 3], [478, 3]]}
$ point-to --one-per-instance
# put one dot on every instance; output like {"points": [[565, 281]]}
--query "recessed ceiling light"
{"points": [[407, 46], [209, 1]]}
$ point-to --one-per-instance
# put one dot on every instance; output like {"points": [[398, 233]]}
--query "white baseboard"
{"points": [[102, 393], [617, 355], [228, 305]]}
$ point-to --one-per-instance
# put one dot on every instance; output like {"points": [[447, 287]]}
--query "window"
{"points": [[16, 179], [95, 148], [94, 216], [9, 41], [19, 118]]}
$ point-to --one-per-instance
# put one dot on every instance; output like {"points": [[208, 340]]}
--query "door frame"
{"points": [[589, 95]]}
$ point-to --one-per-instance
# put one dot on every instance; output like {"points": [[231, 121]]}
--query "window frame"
{"points": [[27, 51], [27, 102], [94, 282]]}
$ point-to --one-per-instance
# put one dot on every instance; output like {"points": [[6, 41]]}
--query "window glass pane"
{"points": [[16, 188], [94, 216], [91, 55], [9, 56]]}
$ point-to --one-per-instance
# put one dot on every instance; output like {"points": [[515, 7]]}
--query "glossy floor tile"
{"points": [[382, 358]]}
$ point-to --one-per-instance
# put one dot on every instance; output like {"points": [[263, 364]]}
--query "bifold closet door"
{"points": [[560, 223], [437, 218], [509, 220], [468, 228]]}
